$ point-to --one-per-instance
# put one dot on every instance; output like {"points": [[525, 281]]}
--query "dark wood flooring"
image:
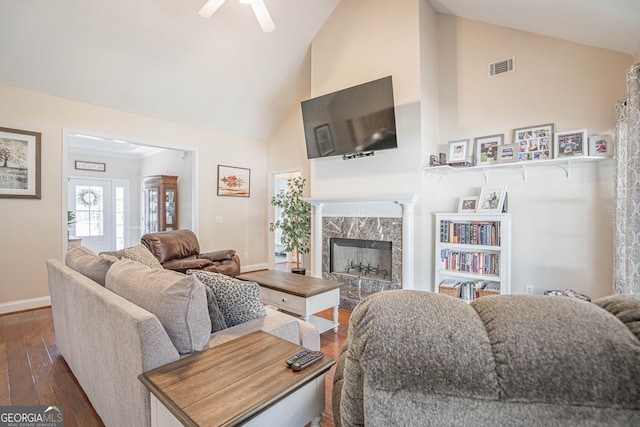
{"points": [[33, 372]]}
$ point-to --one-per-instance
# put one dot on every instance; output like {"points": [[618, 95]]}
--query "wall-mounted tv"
{"points": [[359, 119]]}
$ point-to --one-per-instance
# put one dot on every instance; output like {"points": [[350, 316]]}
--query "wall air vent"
{"points": [[503, 66]]}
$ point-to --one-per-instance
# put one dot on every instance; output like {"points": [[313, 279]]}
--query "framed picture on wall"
{"points": [[534, 142], [601, 145], [487, 148], [458, 151], [491, 199], [19, 164], [507, 153], [468, 204], [234, 181], [571, 144]]}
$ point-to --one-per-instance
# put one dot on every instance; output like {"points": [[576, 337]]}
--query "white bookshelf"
{"points": [[475, 249]]}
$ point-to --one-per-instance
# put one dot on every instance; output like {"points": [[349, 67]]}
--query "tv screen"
{"points": [[353, 120]]}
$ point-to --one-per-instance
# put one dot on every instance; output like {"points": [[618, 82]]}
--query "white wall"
{"points": [[33, 230]]}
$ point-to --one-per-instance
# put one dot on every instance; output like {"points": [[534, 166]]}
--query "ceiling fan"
{"points": [[258, 7]]}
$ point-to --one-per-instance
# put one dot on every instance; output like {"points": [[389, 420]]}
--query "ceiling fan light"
{"points": [[210, 8], [260, 9]]}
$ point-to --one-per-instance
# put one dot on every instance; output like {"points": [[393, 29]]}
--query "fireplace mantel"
{"points": [[371, 206]]}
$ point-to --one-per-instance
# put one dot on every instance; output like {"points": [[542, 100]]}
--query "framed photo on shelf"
{"points": [[458, 151], [234, 181], [534, 142], [491, 199], [468, 204], [507, 153], [571, 144], [487, 148], [601, 145], [20, 166]]}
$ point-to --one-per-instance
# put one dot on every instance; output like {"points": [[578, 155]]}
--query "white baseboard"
{"points": [[254, 267], [25, 304]]}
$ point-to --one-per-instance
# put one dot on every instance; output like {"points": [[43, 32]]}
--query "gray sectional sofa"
{"points": [[107, 338], [424, 359]]}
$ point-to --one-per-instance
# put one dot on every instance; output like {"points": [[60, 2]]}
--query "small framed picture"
{"points": [[90, 166], [534, 142], [324, 140], [234, 181], [491, 199], [507, 153], [468, 204], [458, 151], [571, 144], [601, 145], [487, 148]]}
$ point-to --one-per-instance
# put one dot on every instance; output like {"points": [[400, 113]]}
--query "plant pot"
{"points": [[302, 271]]}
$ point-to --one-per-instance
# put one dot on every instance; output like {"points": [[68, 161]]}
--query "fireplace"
{"points": [[360, 257], [365, 243]]}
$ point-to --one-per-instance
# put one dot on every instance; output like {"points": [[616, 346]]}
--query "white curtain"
{"points": [[626, 263]]}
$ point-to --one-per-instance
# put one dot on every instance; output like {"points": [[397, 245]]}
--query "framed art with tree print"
{"points": [[487, 148], [534, 142], [19, 164]]}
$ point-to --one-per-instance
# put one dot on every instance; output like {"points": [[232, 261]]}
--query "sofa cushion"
{"points": [[178, 301], [626, 308], [86, 262], [168, 245], [239, 300], [141, 254]]}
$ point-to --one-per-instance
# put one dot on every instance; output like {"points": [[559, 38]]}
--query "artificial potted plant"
{"points": [[294, 221]]}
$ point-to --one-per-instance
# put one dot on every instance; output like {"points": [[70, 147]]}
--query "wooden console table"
{"points": [[298, 294], [243, 381]]}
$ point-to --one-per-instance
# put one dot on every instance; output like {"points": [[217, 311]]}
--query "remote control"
{"points": [[295, 357], [304, 361]]}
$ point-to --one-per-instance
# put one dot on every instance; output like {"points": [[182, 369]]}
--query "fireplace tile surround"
{"points": [[378, 218]]}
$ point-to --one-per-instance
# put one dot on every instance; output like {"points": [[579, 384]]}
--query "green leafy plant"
{"points": [[295, 218], [71, 217]]}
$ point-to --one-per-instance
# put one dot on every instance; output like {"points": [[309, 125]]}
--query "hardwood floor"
{"points": [[33, 372]]}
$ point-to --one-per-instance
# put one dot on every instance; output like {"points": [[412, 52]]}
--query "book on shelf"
{"points": [[471, 290], [483, 263], [486, 233]]}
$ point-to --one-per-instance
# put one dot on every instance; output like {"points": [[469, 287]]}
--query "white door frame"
{"points": [[271, 211]]}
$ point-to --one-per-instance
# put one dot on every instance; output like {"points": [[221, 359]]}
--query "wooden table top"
{"points": [[228, 384], [290, 283]]}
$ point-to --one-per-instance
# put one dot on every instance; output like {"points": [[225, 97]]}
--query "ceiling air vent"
{"points": [[503, 66]]}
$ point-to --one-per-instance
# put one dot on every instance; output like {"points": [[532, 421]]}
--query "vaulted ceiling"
{"points": [[159, 58]]}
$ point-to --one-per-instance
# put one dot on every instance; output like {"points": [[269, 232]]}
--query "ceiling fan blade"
{"points": [[210, 7], [263, 16]]}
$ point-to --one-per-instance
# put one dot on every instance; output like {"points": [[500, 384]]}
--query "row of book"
{"points": [[473, 233], [487, 264], [470, 290]]}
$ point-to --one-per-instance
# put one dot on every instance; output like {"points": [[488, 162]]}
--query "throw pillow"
{"points": [[239, 300], [86, 262], [178, 301], [217, 319], [141, 254]]}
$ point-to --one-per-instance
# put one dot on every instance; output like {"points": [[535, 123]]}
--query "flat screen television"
{"points": [[359, 119]]}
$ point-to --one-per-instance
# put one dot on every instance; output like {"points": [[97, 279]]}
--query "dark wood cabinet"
{"points": [[160, 203]]}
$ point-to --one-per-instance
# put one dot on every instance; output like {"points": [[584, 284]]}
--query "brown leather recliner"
{"points": [[179, 250]]}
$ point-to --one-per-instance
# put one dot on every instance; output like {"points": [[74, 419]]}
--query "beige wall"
{"points": [[637, 57], [562, 227], [33, 230]]}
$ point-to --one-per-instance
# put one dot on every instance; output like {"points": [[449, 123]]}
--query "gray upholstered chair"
{"points": [[416, 358]]}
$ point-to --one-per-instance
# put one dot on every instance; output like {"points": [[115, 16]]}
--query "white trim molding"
{"points": [[25, 304]]}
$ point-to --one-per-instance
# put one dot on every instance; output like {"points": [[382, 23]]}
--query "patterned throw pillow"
{"points": [[217, 319], [141, 254], [239, 301]]}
